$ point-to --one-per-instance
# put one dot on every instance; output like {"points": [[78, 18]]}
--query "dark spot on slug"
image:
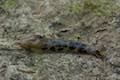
{"points": [[52, 48], [71, 48], [60, 49], [65, 46], [81, 51], [44, 48]]}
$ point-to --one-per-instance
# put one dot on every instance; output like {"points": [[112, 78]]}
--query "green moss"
{"points": [[99, 7], [75, 8], [9, 4]]}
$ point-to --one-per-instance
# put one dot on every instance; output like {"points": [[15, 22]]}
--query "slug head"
{"points": [[32, 42]]}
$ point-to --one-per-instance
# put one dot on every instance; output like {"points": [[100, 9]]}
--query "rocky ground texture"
{"points": [[93, 22]]}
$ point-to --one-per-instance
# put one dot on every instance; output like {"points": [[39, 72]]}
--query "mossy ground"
{"points": [[99, 7], [9, 4], [93, 22]]}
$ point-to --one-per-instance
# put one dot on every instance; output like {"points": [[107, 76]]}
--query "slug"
{"points": [[38, 43]]}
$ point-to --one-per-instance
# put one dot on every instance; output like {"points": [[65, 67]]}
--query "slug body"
{"points": [[38, 43]]}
